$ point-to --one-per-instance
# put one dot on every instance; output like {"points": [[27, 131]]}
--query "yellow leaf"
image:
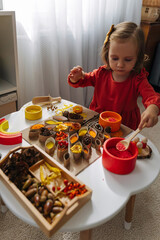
{"points": [[41, 174], [53, 169]]}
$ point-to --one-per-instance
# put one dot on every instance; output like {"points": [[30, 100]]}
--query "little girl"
{"points": [[122, 79]]}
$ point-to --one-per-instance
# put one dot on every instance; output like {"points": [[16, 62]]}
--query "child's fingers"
{"points": [[144, 124], [75, 74], [70, 75], [148, 121], [76, 69], [73, 71], [144, 120], [140, 125], [152, 121], [72, 78]]}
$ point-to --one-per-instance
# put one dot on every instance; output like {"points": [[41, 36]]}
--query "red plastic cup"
{"points": [[116, 164]]}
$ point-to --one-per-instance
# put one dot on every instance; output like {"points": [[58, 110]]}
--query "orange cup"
{"points": [[110, 119]]}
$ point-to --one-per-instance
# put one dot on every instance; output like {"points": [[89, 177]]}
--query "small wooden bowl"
{"points": [[74, 127], [101, 137], [61, 128], [78, 109], [50, 122], [50, 149], [98, 144], [33, 134], [93, 133], [66, 160], [86, 153], [74, 117], [87, 141], [98, 127], [76, 155], [105, 117], [37, 126], [74, 138], [43, 138], [44, 134], [82, 131], [63, 137], [61, 151]]}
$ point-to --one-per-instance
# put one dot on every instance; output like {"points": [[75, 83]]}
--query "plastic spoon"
{"points": [[124, 144]]}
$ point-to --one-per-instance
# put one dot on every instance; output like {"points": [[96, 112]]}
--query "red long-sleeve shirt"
{"points": [[120, 97]]}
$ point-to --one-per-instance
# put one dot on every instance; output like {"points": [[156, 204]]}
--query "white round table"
{"points": [[111, 192]]}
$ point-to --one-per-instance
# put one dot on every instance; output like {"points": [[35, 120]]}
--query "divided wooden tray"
{"points": [[70, 200], [75, 167]]}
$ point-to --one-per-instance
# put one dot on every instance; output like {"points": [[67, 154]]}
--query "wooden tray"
{"points": [[70, 207], [76, 167]]}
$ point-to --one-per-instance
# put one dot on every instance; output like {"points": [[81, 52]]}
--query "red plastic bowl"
{"points": [[116, 164]]}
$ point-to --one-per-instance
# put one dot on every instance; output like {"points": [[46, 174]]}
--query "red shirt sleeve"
{"points": [[149, 96], [89, 79]]}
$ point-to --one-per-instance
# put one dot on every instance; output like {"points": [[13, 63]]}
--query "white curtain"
{"points": [[55, 35]]}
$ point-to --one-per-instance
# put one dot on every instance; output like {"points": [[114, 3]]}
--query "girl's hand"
{"points": [[149, 117], [76, 73]]}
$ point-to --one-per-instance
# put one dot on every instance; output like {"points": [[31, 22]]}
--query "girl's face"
{"points": [[122, 58]]}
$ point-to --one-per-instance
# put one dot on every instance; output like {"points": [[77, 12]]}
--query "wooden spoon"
{"points": [[44, 100], [124, 144]]}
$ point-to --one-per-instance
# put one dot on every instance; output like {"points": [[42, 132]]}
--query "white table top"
{"points": [[110, 191]]}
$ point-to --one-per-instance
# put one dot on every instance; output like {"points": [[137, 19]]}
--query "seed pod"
{"points": [[40, 189], [34, 185], [40, 209], [35, 180], [44, 192], [58, 203], [37, 200], [49, 220], [48, 207], [57, 209], [28, 176], [50, 196], [52, 215], [31, 192], [27, 183], [43, 199]]}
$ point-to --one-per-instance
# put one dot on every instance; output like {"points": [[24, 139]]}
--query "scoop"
{"points": [[124, 144], [44, 100]]}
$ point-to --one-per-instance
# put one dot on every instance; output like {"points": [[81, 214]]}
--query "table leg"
{"points": [[85, 235], [129, 212], [3, 207]]}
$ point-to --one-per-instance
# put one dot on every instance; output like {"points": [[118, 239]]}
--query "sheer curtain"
{"points": [[55, 35]]}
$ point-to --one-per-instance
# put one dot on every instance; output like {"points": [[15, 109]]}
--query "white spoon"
{"points": [[124, 144]]}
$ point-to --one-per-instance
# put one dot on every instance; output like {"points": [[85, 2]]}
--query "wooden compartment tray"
{"points": [[70, 205]]}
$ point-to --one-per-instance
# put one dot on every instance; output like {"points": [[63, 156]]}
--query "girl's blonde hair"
{"points": [[124, 31]]}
